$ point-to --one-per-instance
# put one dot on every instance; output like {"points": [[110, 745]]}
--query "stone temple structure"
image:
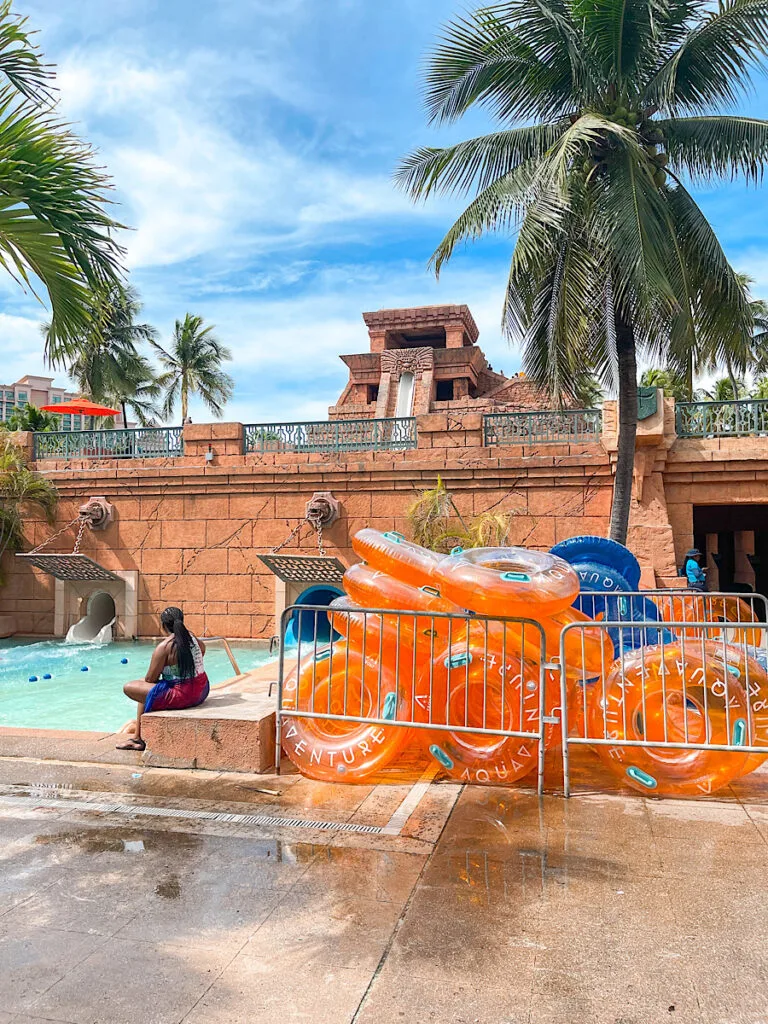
{"points": [[426, 360]]}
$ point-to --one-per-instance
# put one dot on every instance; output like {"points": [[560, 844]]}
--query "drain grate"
{"points": [[134, 810]]}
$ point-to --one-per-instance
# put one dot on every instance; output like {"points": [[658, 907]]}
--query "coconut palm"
{"points": [[606, 108], [671, 382], [54, 231], [726, 389], [29, 417], [22, 492], [106, 364], [192, 365]]}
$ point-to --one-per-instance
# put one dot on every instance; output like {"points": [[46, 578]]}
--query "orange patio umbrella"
{"points": [[81, 407]]}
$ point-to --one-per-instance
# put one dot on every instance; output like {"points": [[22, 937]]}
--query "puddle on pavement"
{"points": [[169, 888], [117, 840]]}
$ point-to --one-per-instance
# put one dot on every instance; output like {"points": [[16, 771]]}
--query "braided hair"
{"points": [[172, 620]]}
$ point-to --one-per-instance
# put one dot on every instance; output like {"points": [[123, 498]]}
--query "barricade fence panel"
{"points": [[363, 685], [668, 688], [679, 705]]}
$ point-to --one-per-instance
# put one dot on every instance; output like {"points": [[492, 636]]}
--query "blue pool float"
{"points": [[84, 668], [123, 661], [33, 679], [47, 676], [634, 609], [601, 551]]}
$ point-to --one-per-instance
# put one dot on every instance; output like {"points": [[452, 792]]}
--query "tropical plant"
{"points": [[620, 104], [107, 365], [54, 229], [22, 492], [587, 390], [726, 389], [760, 390], [671, 382], [437, 524], [192, 365], [29, 417]]}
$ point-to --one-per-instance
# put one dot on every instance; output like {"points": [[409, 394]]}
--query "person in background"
{"points": [[175, 679], [693, 571]]}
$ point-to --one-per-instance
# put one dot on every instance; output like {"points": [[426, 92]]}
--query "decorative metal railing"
{"points": [[142, 443], [331, 436], [566, 425], [721, 419]]}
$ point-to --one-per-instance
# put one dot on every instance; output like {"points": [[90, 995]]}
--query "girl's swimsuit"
{"points": [[173, 693]]}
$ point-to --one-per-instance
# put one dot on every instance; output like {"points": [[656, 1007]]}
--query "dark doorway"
{"points": [[730, 523]]}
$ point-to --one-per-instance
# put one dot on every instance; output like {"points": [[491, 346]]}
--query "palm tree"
{"points": [[22, 491], [138, 390], [618, 104], [671, 381], [54, 230], [29, 417], [193, 365], [726, 389], [106, 364]]}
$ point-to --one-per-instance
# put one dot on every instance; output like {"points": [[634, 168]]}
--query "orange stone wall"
{"points": [[193, 529]]}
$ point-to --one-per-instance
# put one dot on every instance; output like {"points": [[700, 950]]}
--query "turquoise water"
{"points": [[72, 699]]}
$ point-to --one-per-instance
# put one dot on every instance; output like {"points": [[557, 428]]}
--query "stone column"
{"points": [[454, 336]]}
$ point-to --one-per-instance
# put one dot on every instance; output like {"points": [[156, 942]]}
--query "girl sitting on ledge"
{"points": [[175, 679]]}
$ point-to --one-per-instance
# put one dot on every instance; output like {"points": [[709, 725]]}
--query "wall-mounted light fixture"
{"points": [[209, 454]]}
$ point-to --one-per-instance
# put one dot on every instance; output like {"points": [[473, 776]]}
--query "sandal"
{"points": [[132, 744]]}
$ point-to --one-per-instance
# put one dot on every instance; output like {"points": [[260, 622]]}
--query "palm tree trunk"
{"points": [[125, 414], [689, 377], [732, 378], [625, 458], [184, 401]]}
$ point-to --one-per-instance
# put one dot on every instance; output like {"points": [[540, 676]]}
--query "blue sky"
{"points": [[251, 144]]}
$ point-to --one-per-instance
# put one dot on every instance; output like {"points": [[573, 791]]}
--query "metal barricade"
{"points": [[441, 674], [664, 681]]}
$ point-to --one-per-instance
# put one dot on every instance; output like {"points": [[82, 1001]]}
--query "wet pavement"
{"points": [[157, 896]]}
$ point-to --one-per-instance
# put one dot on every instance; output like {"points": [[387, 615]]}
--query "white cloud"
{"points": [[192, 181]]}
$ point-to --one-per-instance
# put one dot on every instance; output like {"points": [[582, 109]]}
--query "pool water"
{"points": [[73, 699]]}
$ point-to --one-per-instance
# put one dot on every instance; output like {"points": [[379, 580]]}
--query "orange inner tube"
{"points": [[672, 695], [392, 554], [340, 682], [512, 582], [477, 687]]}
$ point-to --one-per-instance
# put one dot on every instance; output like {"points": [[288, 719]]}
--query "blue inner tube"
{"points": [[308, 626], [596, 582], [634, 609], [602, 551]]}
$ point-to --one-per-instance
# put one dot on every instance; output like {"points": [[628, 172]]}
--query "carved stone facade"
{"points": [[438, 345]]}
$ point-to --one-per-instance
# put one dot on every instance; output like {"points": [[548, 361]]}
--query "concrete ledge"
{"points": [[231, 732]]}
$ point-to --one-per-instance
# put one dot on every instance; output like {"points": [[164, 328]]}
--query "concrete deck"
{"points": [[131, 894]]}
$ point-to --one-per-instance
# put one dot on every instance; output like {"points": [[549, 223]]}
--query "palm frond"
{"points": [[706, 148], [711, 67]]}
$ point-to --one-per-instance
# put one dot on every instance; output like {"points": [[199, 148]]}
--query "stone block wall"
{"points": [[193, 529]]}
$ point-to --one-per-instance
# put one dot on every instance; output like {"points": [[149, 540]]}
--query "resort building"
{"points": [[33, 390], [195, 509]]}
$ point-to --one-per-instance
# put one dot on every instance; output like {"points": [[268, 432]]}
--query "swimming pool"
{"points": [[73, 699]]}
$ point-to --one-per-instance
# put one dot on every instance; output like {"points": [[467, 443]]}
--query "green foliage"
{"points": [[22, 493], [606, 108], [106, 364], [29, 417], [192, 365], [669, 380], [723, 390], [54, 229], [437, 524], [760, 389]]}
